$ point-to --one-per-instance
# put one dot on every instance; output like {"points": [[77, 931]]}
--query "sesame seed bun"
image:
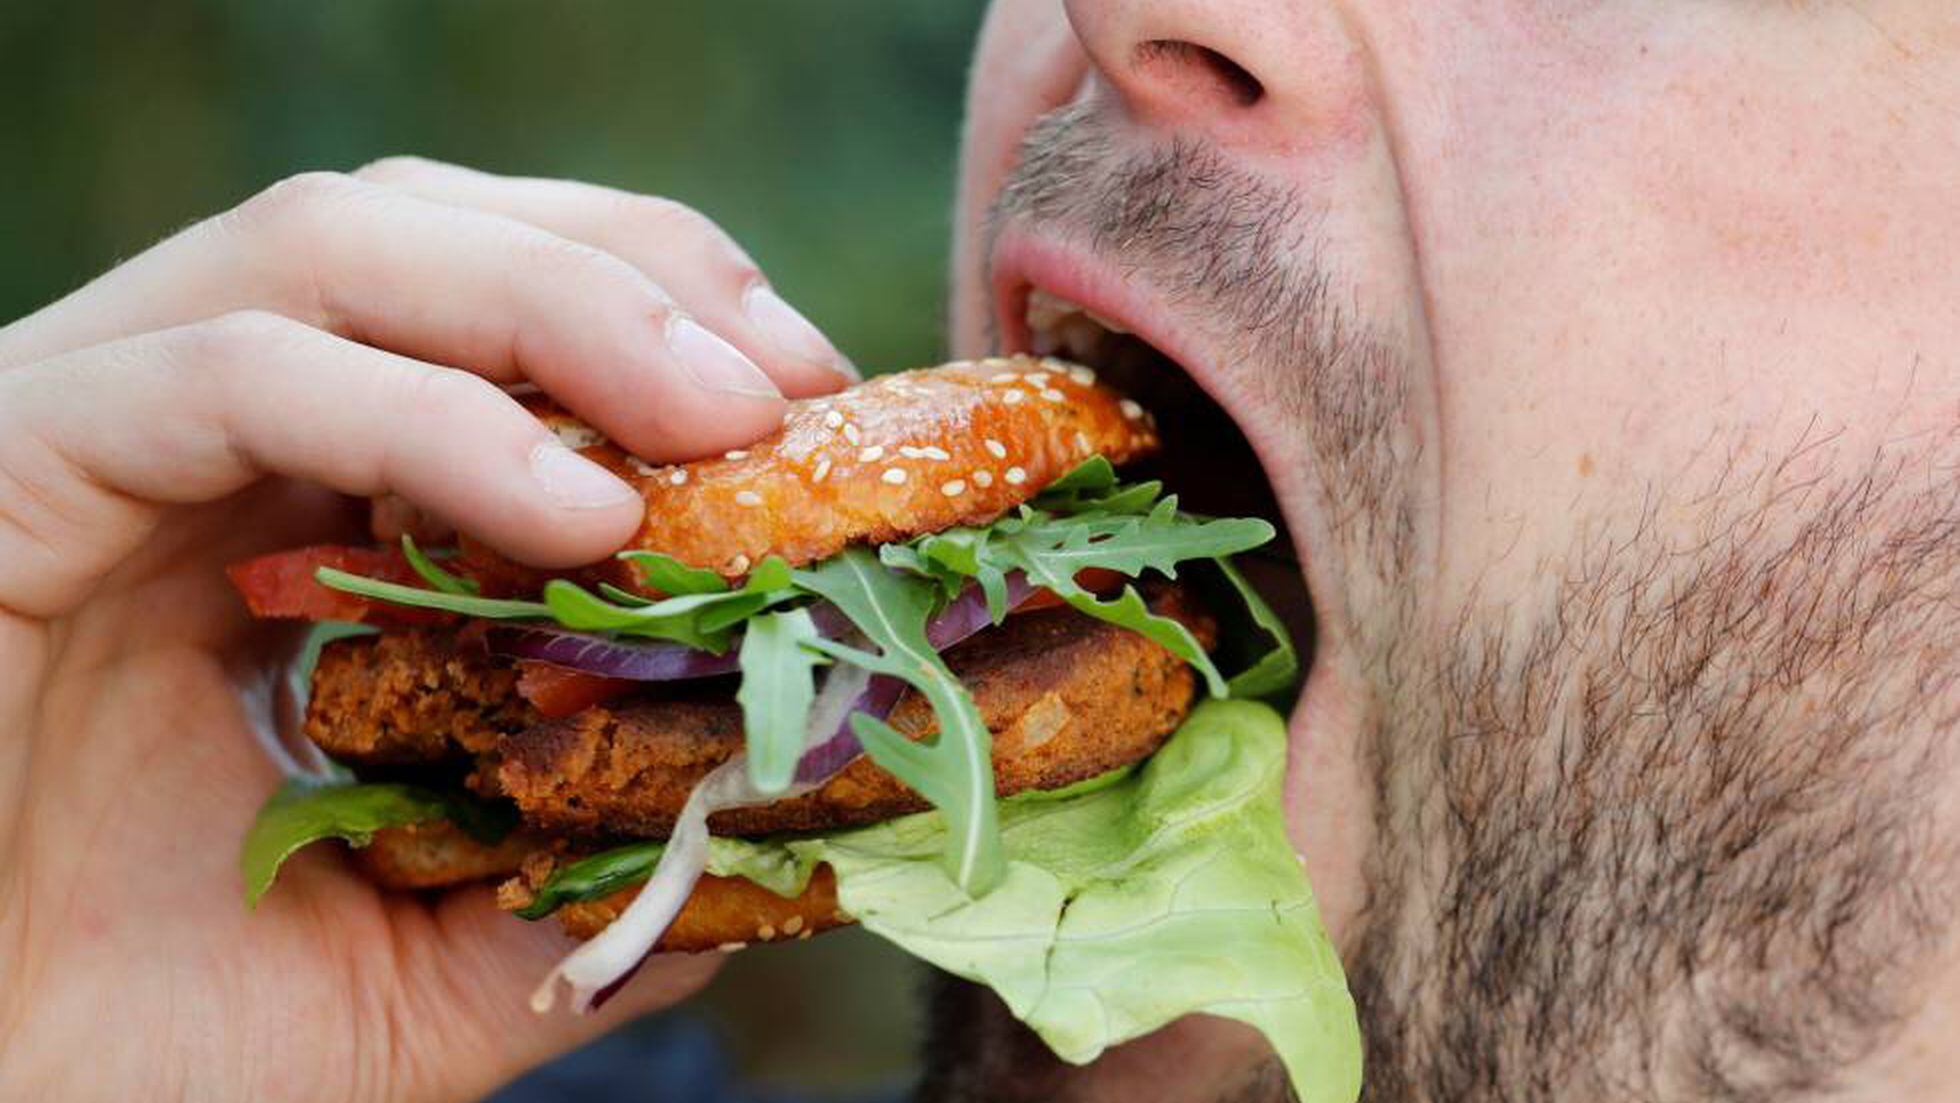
{"points": [[893, 457]]}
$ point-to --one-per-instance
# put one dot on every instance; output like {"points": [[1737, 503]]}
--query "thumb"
{"points": [[468, 1022]]}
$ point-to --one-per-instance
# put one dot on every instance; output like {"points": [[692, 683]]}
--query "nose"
{"points": [[1262, 75]]}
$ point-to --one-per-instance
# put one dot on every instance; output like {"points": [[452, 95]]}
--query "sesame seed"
{"points": [[793, 924], [748, 498], [983, 478], [1004, 377], [1082, 440], [832, 419], [954, 489], [851, 434], [735, 454], [807, 933], [1081, 375], [1013, 398], [1130, 409], [679, 477], [911, 452], [1016, 476], [574, 435], [766, 933], [1052, 395], [1038, 378], [894, 475], [996, 449], [639, 466], [738, 564], [731, 947], [875, 452], [934, 452], [822, 472]]}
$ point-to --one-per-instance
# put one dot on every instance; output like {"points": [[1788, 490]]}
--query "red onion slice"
{"points": [[593, 653], [596, 654]]}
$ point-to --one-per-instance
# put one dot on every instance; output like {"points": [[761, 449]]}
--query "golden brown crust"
{"points": [[440, 854], [1067, 697], [404, 696], [897, 456], [723, 913]]}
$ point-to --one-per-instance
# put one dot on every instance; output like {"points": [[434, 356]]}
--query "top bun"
{"points": [[894, 457]]}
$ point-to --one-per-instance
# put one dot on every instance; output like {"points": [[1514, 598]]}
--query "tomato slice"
{"points": [[1096, 580], [281, 585], [558, 691]]}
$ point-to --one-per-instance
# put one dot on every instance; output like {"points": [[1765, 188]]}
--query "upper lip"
{"points": [[1024, 259]]}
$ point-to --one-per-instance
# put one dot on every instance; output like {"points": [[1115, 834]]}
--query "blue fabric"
{"points": [[668, 1059]]}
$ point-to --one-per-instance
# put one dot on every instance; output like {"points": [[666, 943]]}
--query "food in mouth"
{"points": [[920, 659]]}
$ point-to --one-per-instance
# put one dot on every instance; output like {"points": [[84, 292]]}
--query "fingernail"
{"points": [[576, 482], [713, 363], [790, 331]]}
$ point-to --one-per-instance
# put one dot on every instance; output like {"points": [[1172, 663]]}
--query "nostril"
{"points": [[1199, 69]]}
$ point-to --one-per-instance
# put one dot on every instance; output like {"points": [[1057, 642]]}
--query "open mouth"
{"points": [[1207, 459]]}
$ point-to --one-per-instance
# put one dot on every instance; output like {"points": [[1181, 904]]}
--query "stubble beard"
{"points": [[1664, 825]]}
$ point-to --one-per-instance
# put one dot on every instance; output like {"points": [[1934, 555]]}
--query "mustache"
{"points": [[1211, 236], [1241, 259]]}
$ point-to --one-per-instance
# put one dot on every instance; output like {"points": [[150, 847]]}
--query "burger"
{"points": [[921, 660]]}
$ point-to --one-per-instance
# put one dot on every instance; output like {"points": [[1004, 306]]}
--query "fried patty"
{"points": [[411, 696], [1066, 697], [891, 458]]}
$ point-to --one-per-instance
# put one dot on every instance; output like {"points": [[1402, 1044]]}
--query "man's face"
{"points": [[1601, 357]]}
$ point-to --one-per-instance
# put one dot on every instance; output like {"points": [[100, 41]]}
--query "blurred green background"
{"points": [[821, 133]]}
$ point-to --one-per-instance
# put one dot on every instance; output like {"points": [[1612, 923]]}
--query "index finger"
{"points": [[93, 446]]}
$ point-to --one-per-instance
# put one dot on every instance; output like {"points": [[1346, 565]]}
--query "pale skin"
{"points": [[184, 411], [1614, 250]]}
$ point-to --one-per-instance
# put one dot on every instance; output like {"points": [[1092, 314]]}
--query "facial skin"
{"points": [[1602, 356]]}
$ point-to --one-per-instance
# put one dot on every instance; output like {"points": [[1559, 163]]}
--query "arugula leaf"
{"points": [[489, 608], [955, 769], [1275, 671], [700, 620], [671, 576], [302, 812], [778, 684], [1092, 476], [435, 575]]}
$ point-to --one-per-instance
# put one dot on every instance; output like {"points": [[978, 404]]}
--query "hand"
{"points": [[185, 411]]}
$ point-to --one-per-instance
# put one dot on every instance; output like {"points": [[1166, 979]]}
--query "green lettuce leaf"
{"points": [[1126, 903], [778, 685], [306, 810], [303, 812]]}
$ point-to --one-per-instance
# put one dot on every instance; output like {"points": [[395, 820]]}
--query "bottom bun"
{"points": [[723, 913]]}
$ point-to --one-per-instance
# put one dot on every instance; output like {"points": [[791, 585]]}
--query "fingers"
{"points": [[443, 284], [677, 247], [480, 979], [94, 444]]}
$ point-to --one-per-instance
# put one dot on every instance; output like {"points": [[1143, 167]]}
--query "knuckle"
{"points": [[444, 390], [555, 259], [398, 168], [676, 224], [218, 347], [297, 204]]}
